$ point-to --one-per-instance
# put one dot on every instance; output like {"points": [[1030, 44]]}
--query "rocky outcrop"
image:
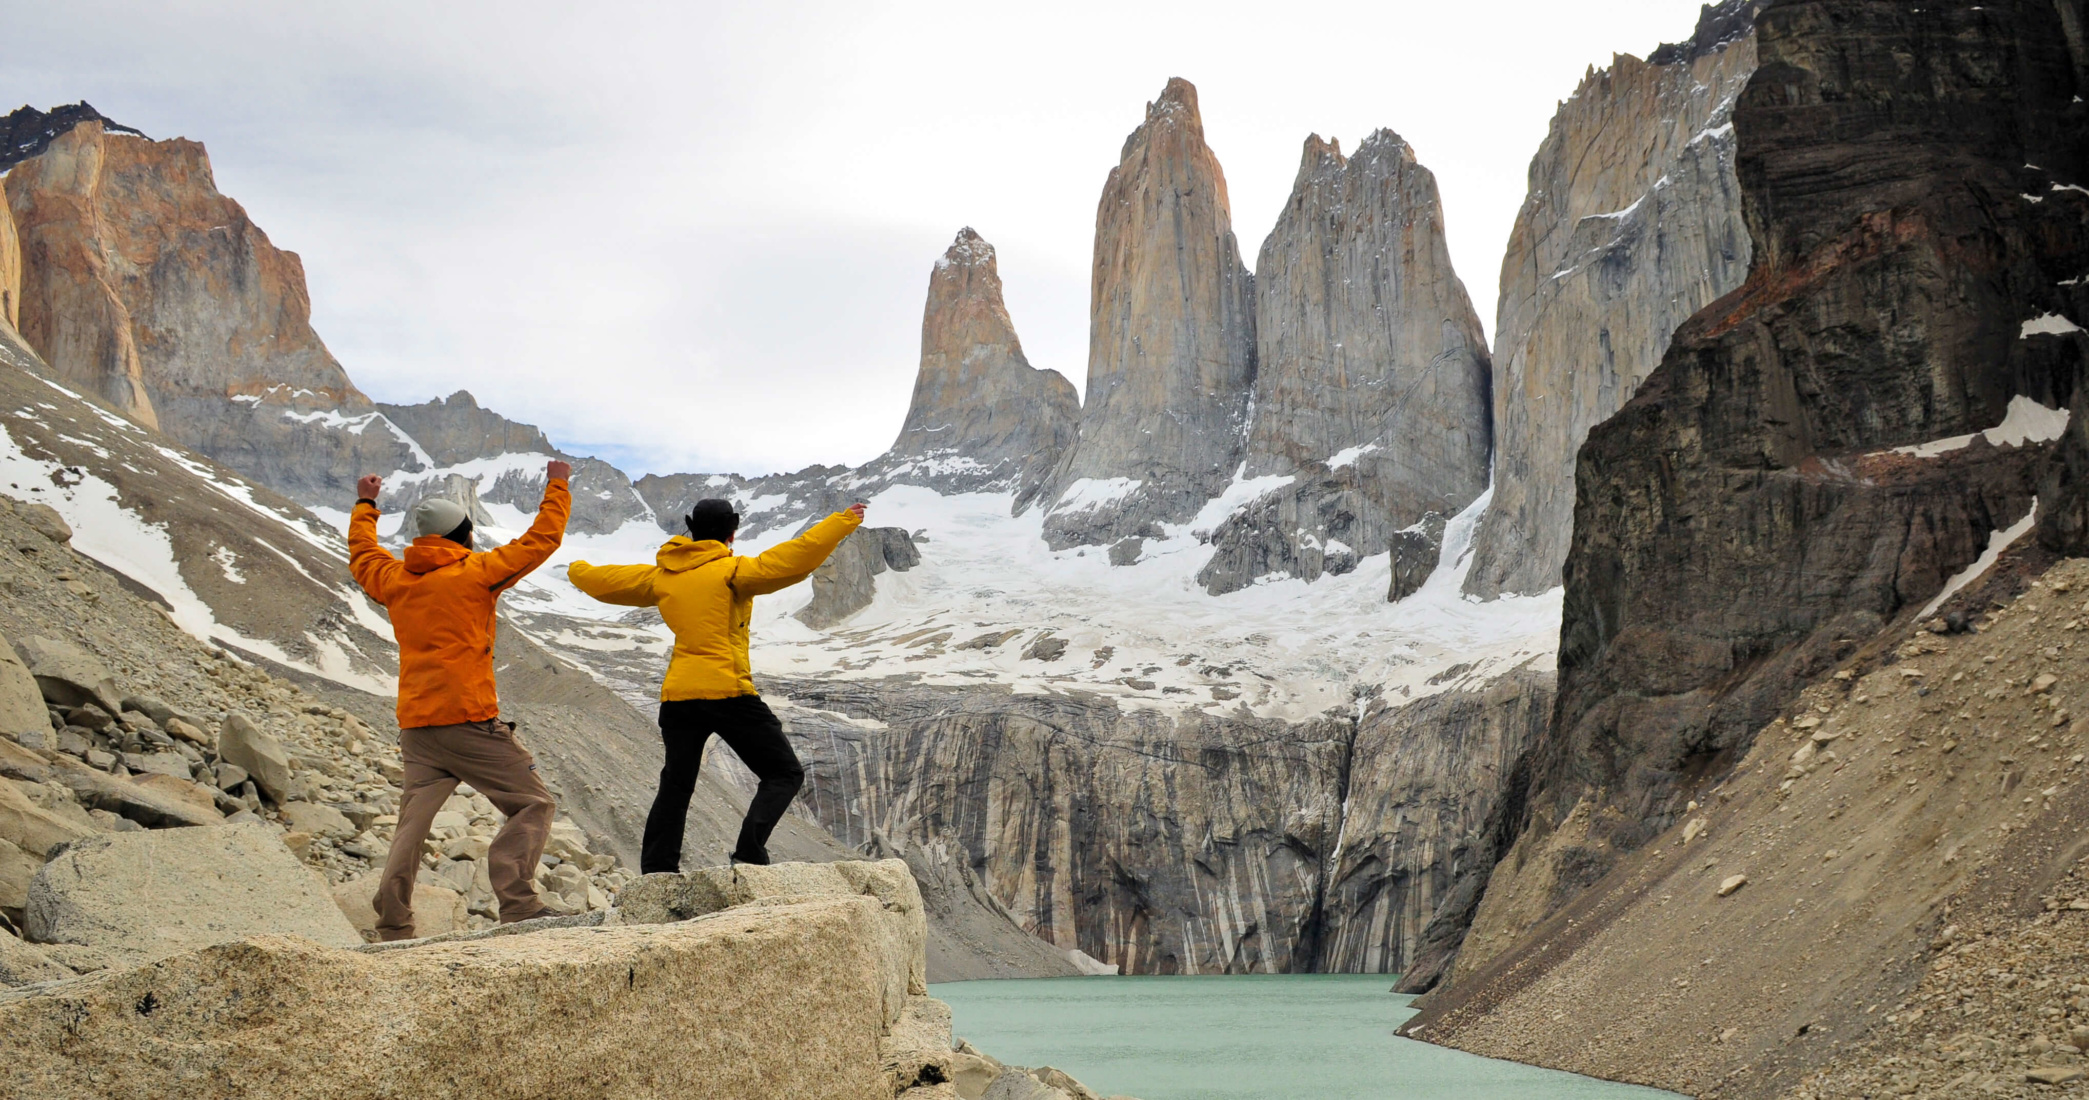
{"points": [[981, 414], [791, 980], [139, 897], [1808, 463], [846, 582], [1171, 340], [477, 457], [146, 287], [1632, 224], [27, 132], [272, 1014], [1416, 550], [1371, 380]]}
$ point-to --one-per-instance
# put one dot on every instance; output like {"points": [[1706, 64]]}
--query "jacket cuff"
{"points": [[363, 501]]}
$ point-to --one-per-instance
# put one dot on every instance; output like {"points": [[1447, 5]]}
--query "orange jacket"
{"points": [[441, 600], [706, 595]]}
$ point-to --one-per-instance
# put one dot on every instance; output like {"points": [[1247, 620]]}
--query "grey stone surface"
{"points": [[68, 675], [845, 583], [1633, 222], [1369, 355], [33, 828], [47, 522], [1416, 551], [247, 745], [981, 415], [1171, 343], [147, 895], [25, 963], [21, 700]]}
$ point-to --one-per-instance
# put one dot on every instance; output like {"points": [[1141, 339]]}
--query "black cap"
{"points": [[712, 519]]}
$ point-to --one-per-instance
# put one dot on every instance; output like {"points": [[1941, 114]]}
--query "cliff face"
{"points": [[1632, 224], [1178, 844], [1798, 472], [146, 287], [981, 413], [10, 269], [1371, 375], [1171, 340]]}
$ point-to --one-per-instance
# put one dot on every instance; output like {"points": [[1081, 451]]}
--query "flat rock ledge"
{"points": [[805, 982]]}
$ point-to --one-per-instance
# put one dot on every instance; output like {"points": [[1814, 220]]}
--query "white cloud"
{"points": [[697, 236]]}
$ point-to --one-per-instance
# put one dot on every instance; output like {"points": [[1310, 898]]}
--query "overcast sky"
{"points": [[697, 236]]}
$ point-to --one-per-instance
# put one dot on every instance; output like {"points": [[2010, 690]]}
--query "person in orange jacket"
{"points": [[441, 602], [706, 595]]}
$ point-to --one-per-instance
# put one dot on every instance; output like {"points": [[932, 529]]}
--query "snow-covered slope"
{"points": [[992, 603], [233, 562]]}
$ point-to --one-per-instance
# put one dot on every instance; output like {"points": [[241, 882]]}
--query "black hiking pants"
{"points": [[745, 723]]}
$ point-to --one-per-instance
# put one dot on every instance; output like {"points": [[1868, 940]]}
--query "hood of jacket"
{"points": [[431, 552], [683, 553]]}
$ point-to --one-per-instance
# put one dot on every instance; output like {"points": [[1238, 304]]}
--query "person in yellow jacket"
{"points": [[706, 595]]}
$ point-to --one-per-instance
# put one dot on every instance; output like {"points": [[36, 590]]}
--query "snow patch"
{"points": [[1347, 456], [1997, 541], [2026, 422], [2048, 324], [1090, 493]]}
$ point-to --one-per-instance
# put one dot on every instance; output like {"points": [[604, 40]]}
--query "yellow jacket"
{"points": [[707, 597]]}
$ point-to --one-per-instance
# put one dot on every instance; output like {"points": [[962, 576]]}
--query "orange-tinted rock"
{"points": [[1171, 338], [980, 409], [146, 287]]}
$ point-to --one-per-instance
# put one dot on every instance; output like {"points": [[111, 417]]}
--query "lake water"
{"points": [[1279, 1037]]}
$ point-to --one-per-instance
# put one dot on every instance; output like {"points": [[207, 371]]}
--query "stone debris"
{"points": [[144, 896], [114, 722]]}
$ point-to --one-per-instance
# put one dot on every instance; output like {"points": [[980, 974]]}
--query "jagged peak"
{"points": [[1718, 26], [1176, 108], [969, 249], [26, 131]]}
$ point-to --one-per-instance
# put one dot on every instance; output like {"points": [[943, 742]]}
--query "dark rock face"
{"points": [[982, 416], [1371, 368], [26, 131], [1171, 340], [1416, 550], [845, 583], [1306, 529], [1743, 523]]}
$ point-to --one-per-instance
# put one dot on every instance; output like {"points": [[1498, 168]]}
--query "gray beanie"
{"points": [[437, 516]]}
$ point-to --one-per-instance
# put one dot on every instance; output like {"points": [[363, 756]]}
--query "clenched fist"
{"points": [[856, 509], [557, 470], [368, 486]]}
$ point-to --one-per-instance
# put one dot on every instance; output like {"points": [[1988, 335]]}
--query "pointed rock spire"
{"points": [[1371, 378], [1171, 339], [976, 396]]}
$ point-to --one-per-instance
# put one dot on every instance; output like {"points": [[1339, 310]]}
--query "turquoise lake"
{"points": [[1280, 1037]]}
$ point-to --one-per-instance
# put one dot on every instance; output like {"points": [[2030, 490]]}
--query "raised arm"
{"points": [[508, 564], [629, 585], [372, 566], [785, 564]]}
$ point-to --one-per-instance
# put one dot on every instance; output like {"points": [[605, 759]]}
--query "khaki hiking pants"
{"points": [[487, 756]]}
